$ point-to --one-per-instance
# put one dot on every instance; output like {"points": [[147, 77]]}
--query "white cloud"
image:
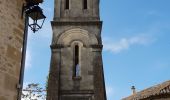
{"points": [[109, 92], [28, 60], [125, 43]]}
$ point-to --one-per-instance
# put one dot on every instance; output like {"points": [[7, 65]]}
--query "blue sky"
{"points": [[136, 39]]}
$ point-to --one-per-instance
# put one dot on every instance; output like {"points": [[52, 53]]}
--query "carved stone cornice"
{"points": [[76, 23], [57, 46], [97, 46], [77, 92]]}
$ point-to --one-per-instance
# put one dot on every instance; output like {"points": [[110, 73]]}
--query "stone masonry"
{"points": [[11, 33]]}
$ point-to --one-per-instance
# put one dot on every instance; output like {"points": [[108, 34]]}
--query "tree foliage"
{"points": [[33, 92]]}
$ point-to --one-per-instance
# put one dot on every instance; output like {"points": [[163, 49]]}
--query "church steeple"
{"points": [[76, 70], [76, 9]]}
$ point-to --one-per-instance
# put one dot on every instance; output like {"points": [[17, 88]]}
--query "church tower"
{"points": [[76, 70]]}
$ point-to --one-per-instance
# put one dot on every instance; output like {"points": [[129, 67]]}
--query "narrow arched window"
{"points": [[76, 66], [67, 4], [84, 4]]}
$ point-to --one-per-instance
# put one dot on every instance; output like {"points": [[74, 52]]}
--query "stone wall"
{"points": [[11, 33], [76, 11], [163, 99], [62, 82]]}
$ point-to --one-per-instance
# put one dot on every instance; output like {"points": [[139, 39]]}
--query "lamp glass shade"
{"points": [[36, 13]]}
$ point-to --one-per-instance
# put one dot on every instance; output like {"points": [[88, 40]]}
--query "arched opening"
{"points": [[84, 4], [67, 4], [76, 63]]}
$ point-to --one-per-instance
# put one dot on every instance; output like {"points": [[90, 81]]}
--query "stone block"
{"points": [[21, 26], [3, 69], [10, 83], [18, 32], [18, 39], [75, 98], [2, 50], [17, 71], [1, 80], [14, 97], [3, 98], [11, 34], [13, 53]]}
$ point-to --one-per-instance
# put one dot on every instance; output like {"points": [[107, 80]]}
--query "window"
{"points": [[84, 4], [67, 4], [76, 66]]}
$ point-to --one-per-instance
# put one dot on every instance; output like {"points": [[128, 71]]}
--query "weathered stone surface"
{"points": [[13, 53], [11, 33], [76, 11], [21, 26], [17, 69], [18, 32], [76, 27], [18, 39], [3, 98], [1, 81], [75, 98], [10, 83]]}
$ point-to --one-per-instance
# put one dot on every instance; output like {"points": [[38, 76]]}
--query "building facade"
{"points": [[76, 71], [11, 34], [157, 92]]}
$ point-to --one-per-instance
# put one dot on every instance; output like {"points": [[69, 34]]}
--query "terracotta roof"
{"points": [[157, 90]]}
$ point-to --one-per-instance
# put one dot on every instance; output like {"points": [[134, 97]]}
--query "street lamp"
{"points": [[36, 15], [31, 11]]}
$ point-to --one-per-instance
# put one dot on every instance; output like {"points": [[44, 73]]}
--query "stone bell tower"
{"points": [[76, 70]]}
